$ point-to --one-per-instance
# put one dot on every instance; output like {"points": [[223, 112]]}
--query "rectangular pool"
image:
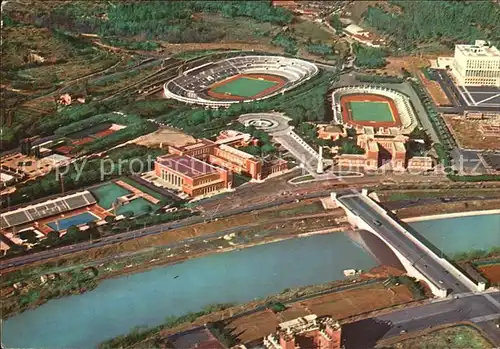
{"points": [[65, 223]]}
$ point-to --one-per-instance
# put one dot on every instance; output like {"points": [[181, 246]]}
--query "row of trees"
{"points": [[319, 48], [440, 21], [379, 79], [138, 335]]}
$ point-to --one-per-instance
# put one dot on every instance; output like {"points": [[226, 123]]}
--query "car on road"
{"points": [[377, 223]]}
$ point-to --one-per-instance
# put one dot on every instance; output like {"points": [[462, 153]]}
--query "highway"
{"points": [[157, 229], [479, 309], [425, 263]]}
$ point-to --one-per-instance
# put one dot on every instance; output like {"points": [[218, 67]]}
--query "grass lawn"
{"points": [[106, 194], [370, 111], [244, 87], [458, 337]]}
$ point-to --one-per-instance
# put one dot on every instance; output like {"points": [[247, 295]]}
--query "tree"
{"points": [[336, 23], [350, 147], [146, 208], [73, 234], [369, 57], [52, 238]]}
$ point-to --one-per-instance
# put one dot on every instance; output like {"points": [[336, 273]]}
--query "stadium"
{"points": [[360, 106], [239, 79]]}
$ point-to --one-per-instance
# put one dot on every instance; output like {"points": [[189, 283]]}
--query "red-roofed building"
{"points": [[225, 153], [191, 175]]}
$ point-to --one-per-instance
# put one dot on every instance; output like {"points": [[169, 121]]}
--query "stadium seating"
{"points": [[191, 86], [46, 209], [402, 102]]}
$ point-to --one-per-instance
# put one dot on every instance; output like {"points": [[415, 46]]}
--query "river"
{"points": [[145, 299]]}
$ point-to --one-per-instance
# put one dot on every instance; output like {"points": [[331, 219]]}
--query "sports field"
{"points": [[244, 87], [370, 111]]}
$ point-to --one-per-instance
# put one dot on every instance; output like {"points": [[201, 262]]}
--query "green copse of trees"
{"points": [[369, 57], [445, 22]]}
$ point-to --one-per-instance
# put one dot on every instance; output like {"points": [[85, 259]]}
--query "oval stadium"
{"points": [[239, 79], [360, 106]]}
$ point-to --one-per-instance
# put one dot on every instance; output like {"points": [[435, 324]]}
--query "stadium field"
{"points": [[244, 87], [370, 111]]}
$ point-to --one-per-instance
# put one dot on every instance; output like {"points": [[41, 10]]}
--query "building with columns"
{"points": [[224, 153], [207, 166], [191, 175], [476, 65], [384, 147]]}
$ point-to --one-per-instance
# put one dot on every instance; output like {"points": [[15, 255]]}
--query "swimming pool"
{"points": [[65, 223]]}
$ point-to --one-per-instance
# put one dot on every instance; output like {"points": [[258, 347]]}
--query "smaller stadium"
{"points": [[239, 79], [361, 106]]}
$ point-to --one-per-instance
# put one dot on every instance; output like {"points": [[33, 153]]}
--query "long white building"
{"points": [[477, 65]]}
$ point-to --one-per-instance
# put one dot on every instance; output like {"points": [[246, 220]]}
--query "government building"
{"points": [[476, 65], [206, 166]]}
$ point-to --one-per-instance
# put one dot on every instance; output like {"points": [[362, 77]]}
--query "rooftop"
{"points": [[480, 48], [399, 146], [187, 165], [236, 152]]}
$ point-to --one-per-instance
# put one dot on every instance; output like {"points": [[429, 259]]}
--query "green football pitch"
{"points": [[370, 111], [244, 87]]}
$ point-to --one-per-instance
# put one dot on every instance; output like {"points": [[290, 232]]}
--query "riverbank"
{"points": [[18, 299], [451, 215], [287, 223], [254, 320], [461, 207]]}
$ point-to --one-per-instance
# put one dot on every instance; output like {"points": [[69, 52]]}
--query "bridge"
{"points": [[420, 260]]}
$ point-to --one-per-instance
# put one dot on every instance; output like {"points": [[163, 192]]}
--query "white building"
{"points": [[477, 65]]}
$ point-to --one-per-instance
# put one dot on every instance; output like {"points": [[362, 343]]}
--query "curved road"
{"points": [[481, 310]]}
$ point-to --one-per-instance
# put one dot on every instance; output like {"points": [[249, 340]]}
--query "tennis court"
{"points": [[107, 194], [65, 223], [370, 111], [244, 87]]}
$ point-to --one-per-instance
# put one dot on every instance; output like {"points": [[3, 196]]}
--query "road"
{"points": [[480, 309], [426, 263], [83, 246]]}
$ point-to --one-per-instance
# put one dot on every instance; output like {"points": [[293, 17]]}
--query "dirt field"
{"points": [[338, 305], [411, 63], [467, 136], [491, 272], [164, 136], [436, 92], [254, 327]]}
